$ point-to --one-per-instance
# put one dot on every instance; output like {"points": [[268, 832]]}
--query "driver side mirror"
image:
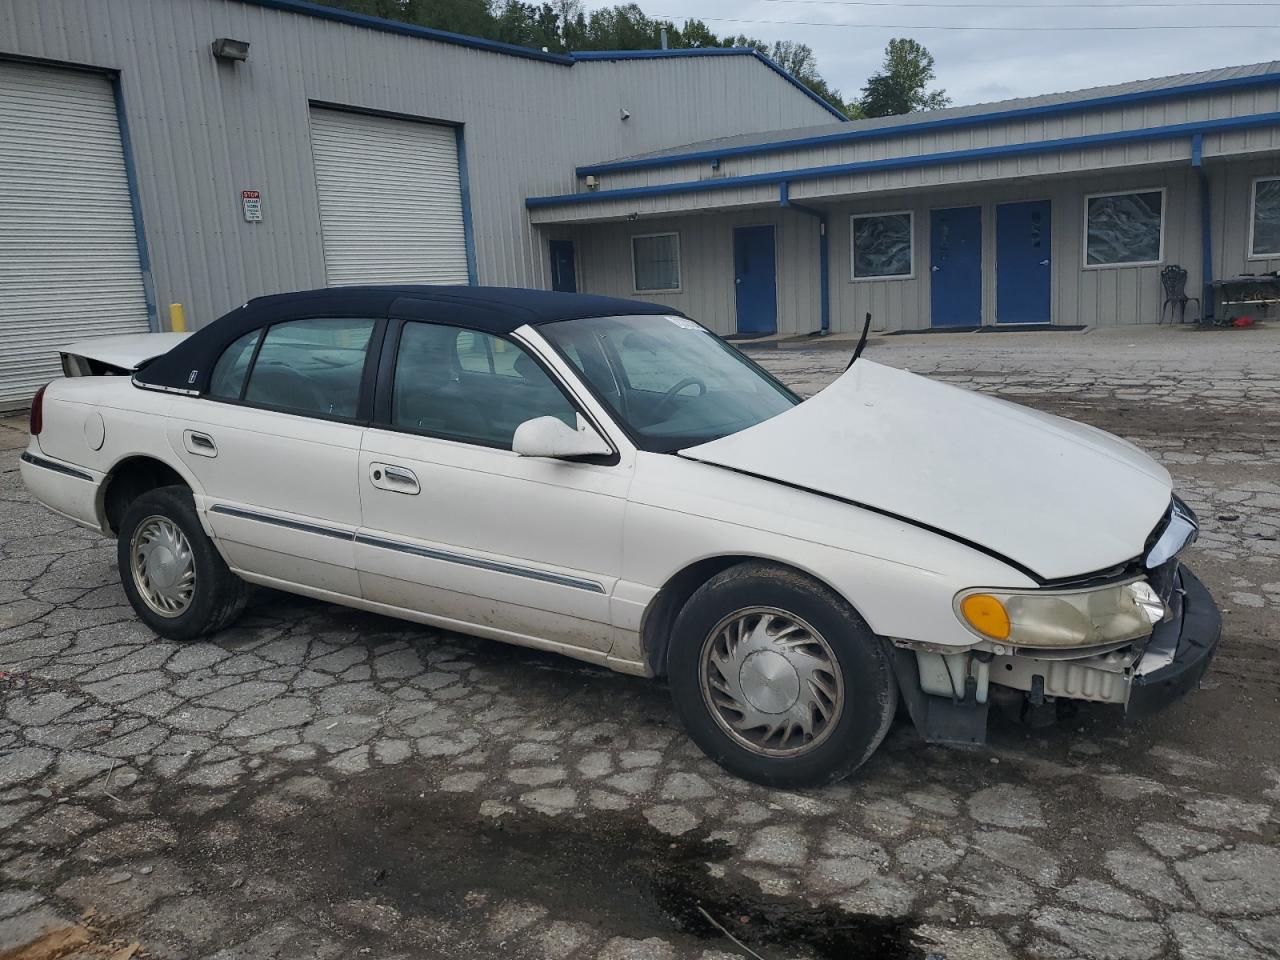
{"points": [[551, 437]]}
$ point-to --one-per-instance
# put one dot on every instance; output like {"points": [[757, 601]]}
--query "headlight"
{"points": [[1062, 618]]}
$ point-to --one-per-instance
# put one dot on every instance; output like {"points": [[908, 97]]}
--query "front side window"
{"points": [[469, 386], [311, 366], [1265, 222], [655, 261], [669, 381], [1124, 229], [881, 246]]}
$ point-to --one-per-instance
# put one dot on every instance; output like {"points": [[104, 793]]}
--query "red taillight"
{"points": [[37, 411]]}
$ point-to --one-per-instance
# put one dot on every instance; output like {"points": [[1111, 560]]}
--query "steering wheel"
{"points": [[669, 398]]}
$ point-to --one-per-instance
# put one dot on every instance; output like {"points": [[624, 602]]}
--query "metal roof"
{"points": [[969, 114], [319, 11]]}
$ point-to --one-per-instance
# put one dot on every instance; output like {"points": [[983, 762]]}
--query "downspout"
{"points": [[824, 262], [1206, 228]]}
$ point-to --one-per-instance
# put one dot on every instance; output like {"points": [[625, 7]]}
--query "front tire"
{"points": [[173, 576], [778, 679]]}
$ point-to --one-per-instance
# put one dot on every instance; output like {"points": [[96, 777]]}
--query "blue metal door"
{"points": [[564, 275], [755, 277], [1023, 262], [955, 267]]}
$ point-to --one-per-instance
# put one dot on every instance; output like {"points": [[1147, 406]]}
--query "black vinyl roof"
{"points": [[496, 310]]}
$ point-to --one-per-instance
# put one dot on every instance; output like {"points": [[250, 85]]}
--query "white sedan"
{"points": [[609, 480]]}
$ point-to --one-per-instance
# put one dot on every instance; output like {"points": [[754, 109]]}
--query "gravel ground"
{"points": [[320, 783]]}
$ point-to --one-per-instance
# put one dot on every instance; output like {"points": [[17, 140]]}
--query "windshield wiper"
{"points": [[862, 341]]}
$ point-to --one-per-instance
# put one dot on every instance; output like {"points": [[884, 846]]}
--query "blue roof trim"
{"points": [[1170, 132], [409, 30], [932, 126], [705, 52]]}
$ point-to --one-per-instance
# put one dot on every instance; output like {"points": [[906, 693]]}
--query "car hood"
{"points": [[1059, 498]]}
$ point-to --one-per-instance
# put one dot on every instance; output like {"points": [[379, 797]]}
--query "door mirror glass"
{"points": [[552, 437]]}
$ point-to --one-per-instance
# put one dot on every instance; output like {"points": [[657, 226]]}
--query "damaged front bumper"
{"points": [[948, 694], [1179, 651]]}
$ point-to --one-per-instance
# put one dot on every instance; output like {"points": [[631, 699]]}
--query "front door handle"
{"points": [[201, 444], [1044, 263], [934, 269], [389, 476]]}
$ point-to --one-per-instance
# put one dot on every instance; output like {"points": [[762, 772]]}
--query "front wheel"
{"points": [[778, 679], [174, 578]]}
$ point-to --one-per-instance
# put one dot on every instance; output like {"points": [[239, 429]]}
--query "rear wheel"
{"points": [[778, 679], [174, 578]]}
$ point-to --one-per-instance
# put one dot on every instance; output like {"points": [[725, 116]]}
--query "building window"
{"points": [[1264, 219], [1124, 229], [882, 246], [655, 262]]}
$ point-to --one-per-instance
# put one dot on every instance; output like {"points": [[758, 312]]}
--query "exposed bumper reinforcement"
{"points": [[1190, 639]]}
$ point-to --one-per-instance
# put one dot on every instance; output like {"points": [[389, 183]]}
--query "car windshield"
{"points": [[671, 382]]}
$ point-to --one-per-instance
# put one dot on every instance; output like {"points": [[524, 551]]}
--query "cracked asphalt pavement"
{"points": [[318, 782]]}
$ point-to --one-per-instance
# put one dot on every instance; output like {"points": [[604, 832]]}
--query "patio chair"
{"points": [[1174, 280]]}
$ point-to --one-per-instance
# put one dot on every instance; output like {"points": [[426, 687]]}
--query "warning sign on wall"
{"points": [[251, 200]]}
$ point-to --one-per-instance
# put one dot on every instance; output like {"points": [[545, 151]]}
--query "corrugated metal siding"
{"points": [[390, 200], [706, 265], [892, 124], [202, 130], [1093, 296], [1119, 156], [69, 265]]}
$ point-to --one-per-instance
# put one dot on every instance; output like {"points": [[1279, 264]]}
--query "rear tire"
{"points": [[173, 576], [778, 679]]}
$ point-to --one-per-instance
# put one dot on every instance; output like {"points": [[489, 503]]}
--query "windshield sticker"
{"points": [[684, 323]]}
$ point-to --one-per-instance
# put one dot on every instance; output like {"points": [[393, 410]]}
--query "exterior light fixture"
{"points": [[224, 48]]}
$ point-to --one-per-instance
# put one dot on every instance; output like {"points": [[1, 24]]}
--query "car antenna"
{"points": [[862, 341]]}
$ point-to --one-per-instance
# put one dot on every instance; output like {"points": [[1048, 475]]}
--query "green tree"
{"points": [[900, 86]]}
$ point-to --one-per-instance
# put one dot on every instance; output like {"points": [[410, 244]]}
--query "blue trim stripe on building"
{"points": [[933, 126], [1170, 132], [708, 52], [464, 188], [135, 204]]}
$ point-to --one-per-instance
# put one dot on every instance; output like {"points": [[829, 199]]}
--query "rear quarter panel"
{"points": [[132, 424]]}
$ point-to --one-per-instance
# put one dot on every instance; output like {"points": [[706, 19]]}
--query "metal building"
{"points": [[145, 163], [1059, 209]]}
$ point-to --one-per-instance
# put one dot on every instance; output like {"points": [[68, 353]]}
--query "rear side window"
{"points": [[229, 372], [311, 366]]}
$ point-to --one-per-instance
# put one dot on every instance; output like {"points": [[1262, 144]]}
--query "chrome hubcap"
{"points": [[771, 681], [162, 566]]}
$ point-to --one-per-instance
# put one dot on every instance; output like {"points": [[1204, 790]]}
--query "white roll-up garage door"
{"points": [[390, 199], [69, 265]]}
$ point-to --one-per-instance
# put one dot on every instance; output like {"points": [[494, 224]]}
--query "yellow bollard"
{"points": [[177, 318]]}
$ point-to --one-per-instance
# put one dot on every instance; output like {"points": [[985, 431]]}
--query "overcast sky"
{"points": [[976, 66]]}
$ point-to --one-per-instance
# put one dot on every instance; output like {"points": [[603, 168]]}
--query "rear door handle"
{"points": [[201, 444], [388, 476]]}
